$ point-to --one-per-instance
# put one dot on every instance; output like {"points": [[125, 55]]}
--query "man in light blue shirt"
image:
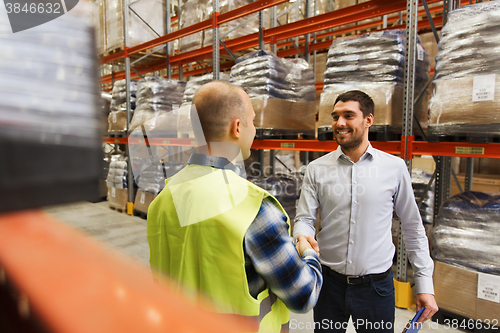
{"points": [[355, 189]]}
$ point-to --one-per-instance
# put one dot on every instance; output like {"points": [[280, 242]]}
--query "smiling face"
{"points": [[350, 128]]}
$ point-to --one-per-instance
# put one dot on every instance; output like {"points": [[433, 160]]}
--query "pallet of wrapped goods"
{"points": [[282, 92], [117, 183], [191, 13], [50, 133], [195, 82], [151, 181], [373, 63], [150, 11], [465, 245], [157, 106], [466, 90]]}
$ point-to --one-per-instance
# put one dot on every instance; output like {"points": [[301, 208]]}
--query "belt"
{"points": [[355, 279]]}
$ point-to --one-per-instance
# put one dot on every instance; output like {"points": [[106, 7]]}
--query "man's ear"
{"points": [[369, 120], [235, 128]]}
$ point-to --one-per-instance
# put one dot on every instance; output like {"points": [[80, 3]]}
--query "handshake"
{"points": [[306, 242]]}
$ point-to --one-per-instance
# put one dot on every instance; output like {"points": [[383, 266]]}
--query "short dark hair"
{"points": [[366, 104], [218, 103]]}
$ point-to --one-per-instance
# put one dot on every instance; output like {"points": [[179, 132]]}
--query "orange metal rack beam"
{"points": [[332, 19], [70, 283], [222, 18], [459, 149]]}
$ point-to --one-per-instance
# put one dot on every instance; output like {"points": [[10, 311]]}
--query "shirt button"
{"points": [[355, 182], [353, 221], [352, 242], [350, 261], [355, 202]]}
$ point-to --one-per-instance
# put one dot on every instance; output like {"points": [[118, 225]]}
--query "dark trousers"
{"points": [[371, 306]]}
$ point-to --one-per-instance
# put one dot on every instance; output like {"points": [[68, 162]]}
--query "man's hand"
{"points": [[427, 301], [306, 242]]}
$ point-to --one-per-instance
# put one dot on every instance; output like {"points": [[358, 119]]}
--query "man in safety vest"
{"points": [[218, 236]]}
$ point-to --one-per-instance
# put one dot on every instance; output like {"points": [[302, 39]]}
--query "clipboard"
{"points": [[412, 326]]}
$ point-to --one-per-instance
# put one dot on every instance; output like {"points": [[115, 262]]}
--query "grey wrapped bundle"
{"points": [[48, 85], [119, 95], [196, 82], [470, 42], [301, 79], [152, 178], [117, 176], [265, 75], [467, 232], [155, 97], [285, 188]]}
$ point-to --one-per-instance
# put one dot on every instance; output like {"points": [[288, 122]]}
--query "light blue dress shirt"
{"points": [[356, 202]]}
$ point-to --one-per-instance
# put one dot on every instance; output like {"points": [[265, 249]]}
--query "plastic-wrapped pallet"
{"points": [[99, 23], [117, 182], [301, 79], [374, 64], [50, 133], [467, 86], [281, 106], [419, 180], [191, 13], [117, 118], [156, 97], [467, 230], [151, 181], [151, 11], [195, 82], [285, 188]]}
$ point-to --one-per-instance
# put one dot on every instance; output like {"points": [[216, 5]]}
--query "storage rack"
{"points": [[391, 13]]}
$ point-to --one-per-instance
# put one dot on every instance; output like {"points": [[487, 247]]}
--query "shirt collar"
{"points": [[370, 152], [213, 161]]}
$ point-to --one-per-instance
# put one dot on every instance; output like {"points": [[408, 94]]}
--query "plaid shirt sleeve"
{"points": [[271, 259]]}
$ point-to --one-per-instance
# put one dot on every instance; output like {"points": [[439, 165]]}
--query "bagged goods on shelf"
{"points": [[117, 176], [191, 13], [99, 23], [119, 95], [419, 181], [374, 63], [151, 11], [466, 89], [150, 182], [285, 188], [155, 97], [263, 74], [301, 79], [467, 230], [195, 82], [280, 90]]}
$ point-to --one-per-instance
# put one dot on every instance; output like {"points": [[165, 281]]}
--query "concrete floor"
{"points": [[128, 234]]}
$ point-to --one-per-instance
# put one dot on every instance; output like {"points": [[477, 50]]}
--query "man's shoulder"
{"points": [[325, 159], [384, 157]]}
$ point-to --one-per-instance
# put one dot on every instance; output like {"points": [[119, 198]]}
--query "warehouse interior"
{"points": [[96, 115]]}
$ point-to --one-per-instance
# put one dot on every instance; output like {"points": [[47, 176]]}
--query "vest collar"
{"points": [[213, 161]]}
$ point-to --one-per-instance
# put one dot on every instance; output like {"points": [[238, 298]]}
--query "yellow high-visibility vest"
{"points": [[196, 228]]}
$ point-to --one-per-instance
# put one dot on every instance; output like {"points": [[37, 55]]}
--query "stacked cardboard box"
{"points": [[467, 86]]}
